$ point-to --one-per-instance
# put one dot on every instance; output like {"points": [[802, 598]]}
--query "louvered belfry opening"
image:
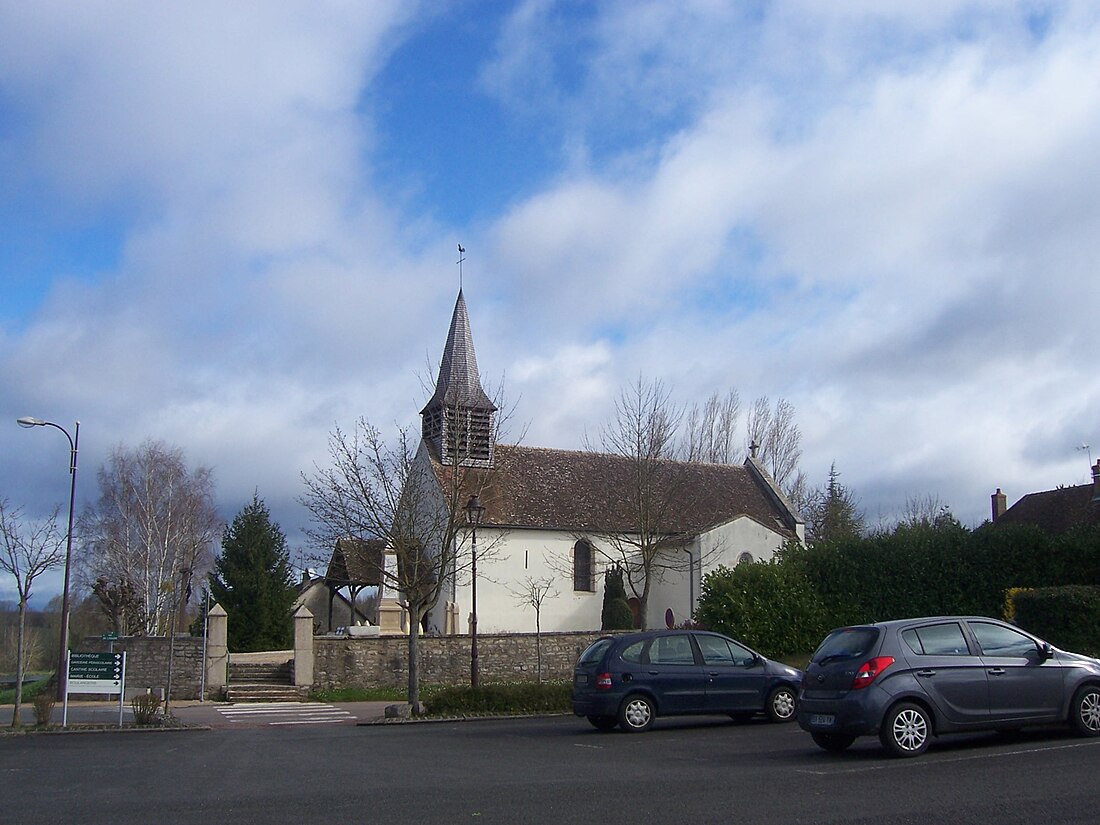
{"points": [[459, 419]]}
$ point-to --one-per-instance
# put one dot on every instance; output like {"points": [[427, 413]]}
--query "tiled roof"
{"points": [[575, 491], [356, 561], [1055, 511]]}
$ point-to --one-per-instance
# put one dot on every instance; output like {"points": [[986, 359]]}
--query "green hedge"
{"points": [[1067, 617], [925, 570], [511, 698]]}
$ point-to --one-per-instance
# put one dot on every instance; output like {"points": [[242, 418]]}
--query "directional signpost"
{"points": [[95, 673]]}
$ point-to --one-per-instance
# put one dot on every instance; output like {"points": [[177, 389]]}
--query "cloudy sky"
{"points": [[231, 226]]}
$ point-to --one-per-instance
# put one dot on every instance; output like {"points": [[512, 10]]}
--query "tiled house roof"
{"points": [[1055, 511], [355, 562], [531, 487]]}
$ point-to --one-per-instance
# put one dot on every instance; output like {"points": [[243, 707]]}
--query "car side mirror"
{"points": [[1046, 651]]}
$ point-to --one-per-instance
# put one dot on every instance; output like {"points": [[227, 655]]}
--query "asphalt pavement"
{"points": [[192, 713]]}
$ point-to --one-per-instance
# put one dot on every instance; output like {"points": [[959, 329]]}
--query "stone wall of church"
{"points": [[382, 661]]}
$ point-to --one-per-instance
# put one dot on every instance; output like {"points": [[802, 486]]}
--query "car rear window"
{"points": [[846, 643], [595, 652]]}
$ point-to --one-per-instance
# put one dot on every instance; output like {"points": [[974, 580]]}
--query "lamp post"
{"points": [[474, 512], [74, 443]]}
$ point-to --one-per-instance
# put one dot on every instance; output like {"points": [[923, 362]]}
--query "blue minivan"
{"points": [[630, 680]]}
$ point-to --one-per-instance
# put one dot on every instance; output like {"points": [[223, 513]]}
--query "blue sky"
{"points": [[232, 226]]}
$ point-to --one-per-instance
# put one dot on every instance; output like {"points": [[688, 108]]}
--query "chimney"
{"points": [[1096, 483], [999, 503]]}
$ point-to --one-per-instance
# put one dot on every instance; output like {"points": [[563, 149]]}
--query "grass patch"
{"points": [[356, 694], [30, 690]]}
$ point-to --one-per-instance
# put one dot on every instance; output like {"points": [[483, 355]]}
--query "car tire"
{"points": [[782, 704], [832, 742], [636, 713], [603, 723], [906, 730], [1084, 711]]}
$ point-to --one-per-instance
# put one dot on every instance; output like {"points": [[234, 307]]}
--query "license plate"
{"points": [[823, 720], [582, 678]]}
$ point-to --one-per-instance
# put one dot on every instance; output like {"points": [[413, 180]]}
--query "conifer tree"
{"points": [[252, 581]]}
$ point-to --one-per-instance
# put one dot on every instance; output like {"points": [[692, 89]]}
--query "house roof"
{"points": [[1055, 511], [356, 562], [577, 491]]}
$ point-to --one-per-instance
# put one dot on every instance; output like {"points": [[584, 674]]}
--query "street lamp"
{"points": [[474, 512], [74, 442]]}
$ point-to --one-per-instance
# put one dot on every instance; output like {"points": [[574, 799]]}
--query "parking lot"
{"points": [[545, 770]]}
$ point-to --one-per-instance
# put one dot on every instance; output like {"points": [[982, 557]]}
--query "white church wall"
{"points": [[514, 557]]}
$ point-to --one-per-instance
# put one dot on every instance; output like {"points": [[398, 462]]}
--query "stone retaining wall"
{"points": [[147, 663], [382, 661]]}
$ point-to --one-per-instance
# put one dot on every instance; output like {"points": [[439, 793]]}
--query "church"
{"points": [[554, 520]]}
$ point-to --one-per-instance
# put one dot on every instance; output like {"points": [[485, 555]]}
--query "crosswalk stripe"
{"points": [[284, 713]]}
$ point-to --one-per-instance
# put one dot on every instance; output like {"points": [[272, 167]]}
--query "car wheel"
{"points": [[833, 742], [603, 723], [1084, 713], [636, 713], [906, 730], [781, 704]]}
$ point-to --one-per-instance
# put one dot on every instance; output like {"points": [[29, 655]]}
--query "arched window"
{"points": [[584, 566], [745, 558]]}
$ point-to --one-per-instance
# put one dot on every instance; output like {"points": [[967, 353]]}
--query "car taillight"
{"points": [[603, 681], [869, 670]]}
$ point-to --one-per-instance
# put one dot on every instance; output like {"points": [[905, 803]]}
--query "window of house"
{"points": [[745, 558], [584, 566]]}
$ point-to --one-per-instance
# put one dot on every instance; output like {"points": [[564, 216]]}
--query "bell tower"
{"points": [[459, 419]]}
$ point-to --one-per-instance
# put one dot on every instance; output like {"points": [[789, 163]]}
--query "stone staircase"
{"points": [[262, 682]]}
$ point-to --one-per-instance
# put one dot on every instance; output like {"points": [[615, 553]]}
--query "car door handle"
{"points": [[996, 671], [926, 673], [654, 672]]}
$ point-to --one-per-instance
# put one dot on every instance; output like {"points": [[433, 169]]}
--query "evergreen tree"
{"points": [[617, 614], [252, 581], [833, 513]]}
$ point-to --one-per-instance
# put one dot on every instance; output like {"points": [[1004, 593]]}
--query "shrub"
{"points": [[616, 614], [43, 707], [145, 706], [770, 606], [511, 698]]}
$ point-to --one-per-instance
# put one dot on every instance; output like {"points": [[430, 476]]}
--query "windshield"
{"points": [[846, 643]]}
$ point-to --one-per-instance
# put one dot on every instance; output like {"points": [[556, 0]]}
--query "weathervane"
{"points": [[461, 258], [1084, 446]]}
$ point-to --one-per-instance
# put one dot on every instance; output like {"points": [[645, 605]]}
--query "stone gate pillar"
{"points": [[217, 649], [303, 647]]}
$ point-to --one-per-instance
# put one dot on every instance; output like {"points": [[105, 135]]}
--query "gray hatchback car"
{"points": [[911, 679]]}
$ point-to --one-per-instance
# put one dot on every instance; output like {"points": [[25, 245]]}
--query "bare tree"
{"points": [[533, 592], [776, 437], [375, 489], [26, 552], [710, 430], [152, 530], [926, 510], [642, 432]]}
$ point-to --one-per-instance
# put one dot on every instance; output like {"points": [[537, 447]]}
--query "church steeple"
{"points": [[458, 420]]}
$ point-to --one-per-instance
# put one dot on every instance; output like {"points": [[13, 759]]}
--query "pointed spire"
{"points": [[458, 420], [459, 381]]}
